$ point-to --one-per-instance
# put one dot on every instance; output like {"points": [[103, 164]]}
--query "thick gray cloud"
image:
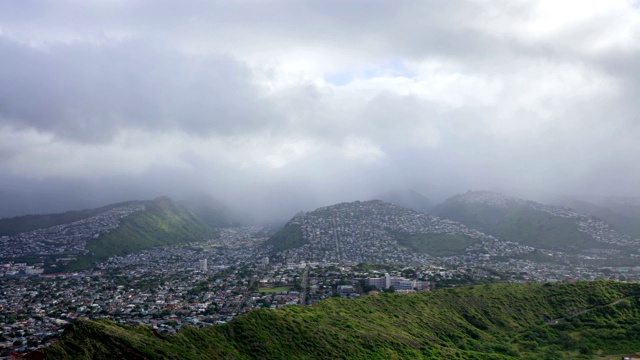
{"points": [[90, 92], [284, 105]]}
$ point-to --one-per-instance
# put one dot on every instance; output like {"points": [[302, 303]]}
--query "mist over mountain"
{"points": [[534, 224], [89, 236], [286, 128], [624, 218], [213, 212], [410, 199], [149, 260], [100, 103]]}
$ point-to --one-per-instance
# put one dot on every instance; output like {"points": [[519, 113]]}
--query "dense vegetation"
{"points": [[289, 237], [518, 223], [499, 321], [164, 222]]}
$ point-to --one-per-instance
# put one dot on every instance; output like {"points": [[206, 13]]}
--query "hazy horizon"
{"points": [[280, 106]]}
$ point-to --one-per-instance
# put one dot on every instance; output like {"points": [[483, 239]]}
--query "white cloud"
{"points": [[362, 150], [261, 93]]}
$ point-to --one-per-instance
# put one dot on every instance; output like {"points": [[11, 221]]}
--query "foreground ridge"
{"points": [[499, 321]]}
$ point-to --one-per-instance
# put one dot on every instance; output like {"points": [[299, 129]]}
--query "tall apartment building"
{"points": [[203, 265]]}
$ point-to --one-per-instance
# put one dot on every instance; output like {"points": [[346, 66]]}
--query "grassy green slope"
{"points": [[518, 223], [164, 222], [289, 237], [500, 321]]}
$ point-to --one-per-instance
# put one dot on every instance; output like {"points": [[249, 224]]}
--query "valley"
{"points": [[348, 250]]}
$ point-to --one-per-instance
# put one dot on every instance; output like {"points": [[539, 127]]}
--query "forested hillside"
{"points": [[501, 321]]}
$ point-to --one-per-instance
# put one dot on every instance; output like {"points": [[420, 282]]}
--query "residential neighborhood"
{"points": [[66, 239], [166, 287], [366, 232], [348, 250]]}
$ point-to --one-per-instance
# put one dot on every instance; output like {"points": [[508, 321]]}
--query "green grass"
{"points": [[289, 237], [274, 289], [518, 223], [164, 222], [497, 321]]}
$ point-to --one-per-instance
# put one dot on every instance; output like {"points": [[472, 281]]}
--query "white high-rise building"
{"points": [[203, 265]]}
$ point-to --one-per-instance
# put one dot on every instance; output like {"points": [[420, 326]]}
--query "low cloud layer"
{"points": [[280, 106]]}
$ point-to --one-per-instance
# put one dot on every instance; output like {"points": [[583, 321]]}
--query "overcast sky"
{"points": [[287, 105]]}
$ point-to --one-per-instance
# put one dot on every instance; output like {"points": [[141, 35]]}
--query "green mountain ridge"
{"points": [[498, 321], [517, 220], [289, 237], [624, 218], [359, 222], [162, 222]]}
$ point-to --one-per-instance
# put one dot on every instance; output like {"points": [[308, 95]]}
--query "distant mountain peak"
{"points": [[532, 223], [375, 231], [407, 198], [97, 234]]}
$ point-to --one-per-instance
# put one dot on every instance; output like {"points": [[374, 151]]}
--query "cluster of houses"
{"points": [[212, 281], [368, 232], [166, 288], [69, 238]]}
